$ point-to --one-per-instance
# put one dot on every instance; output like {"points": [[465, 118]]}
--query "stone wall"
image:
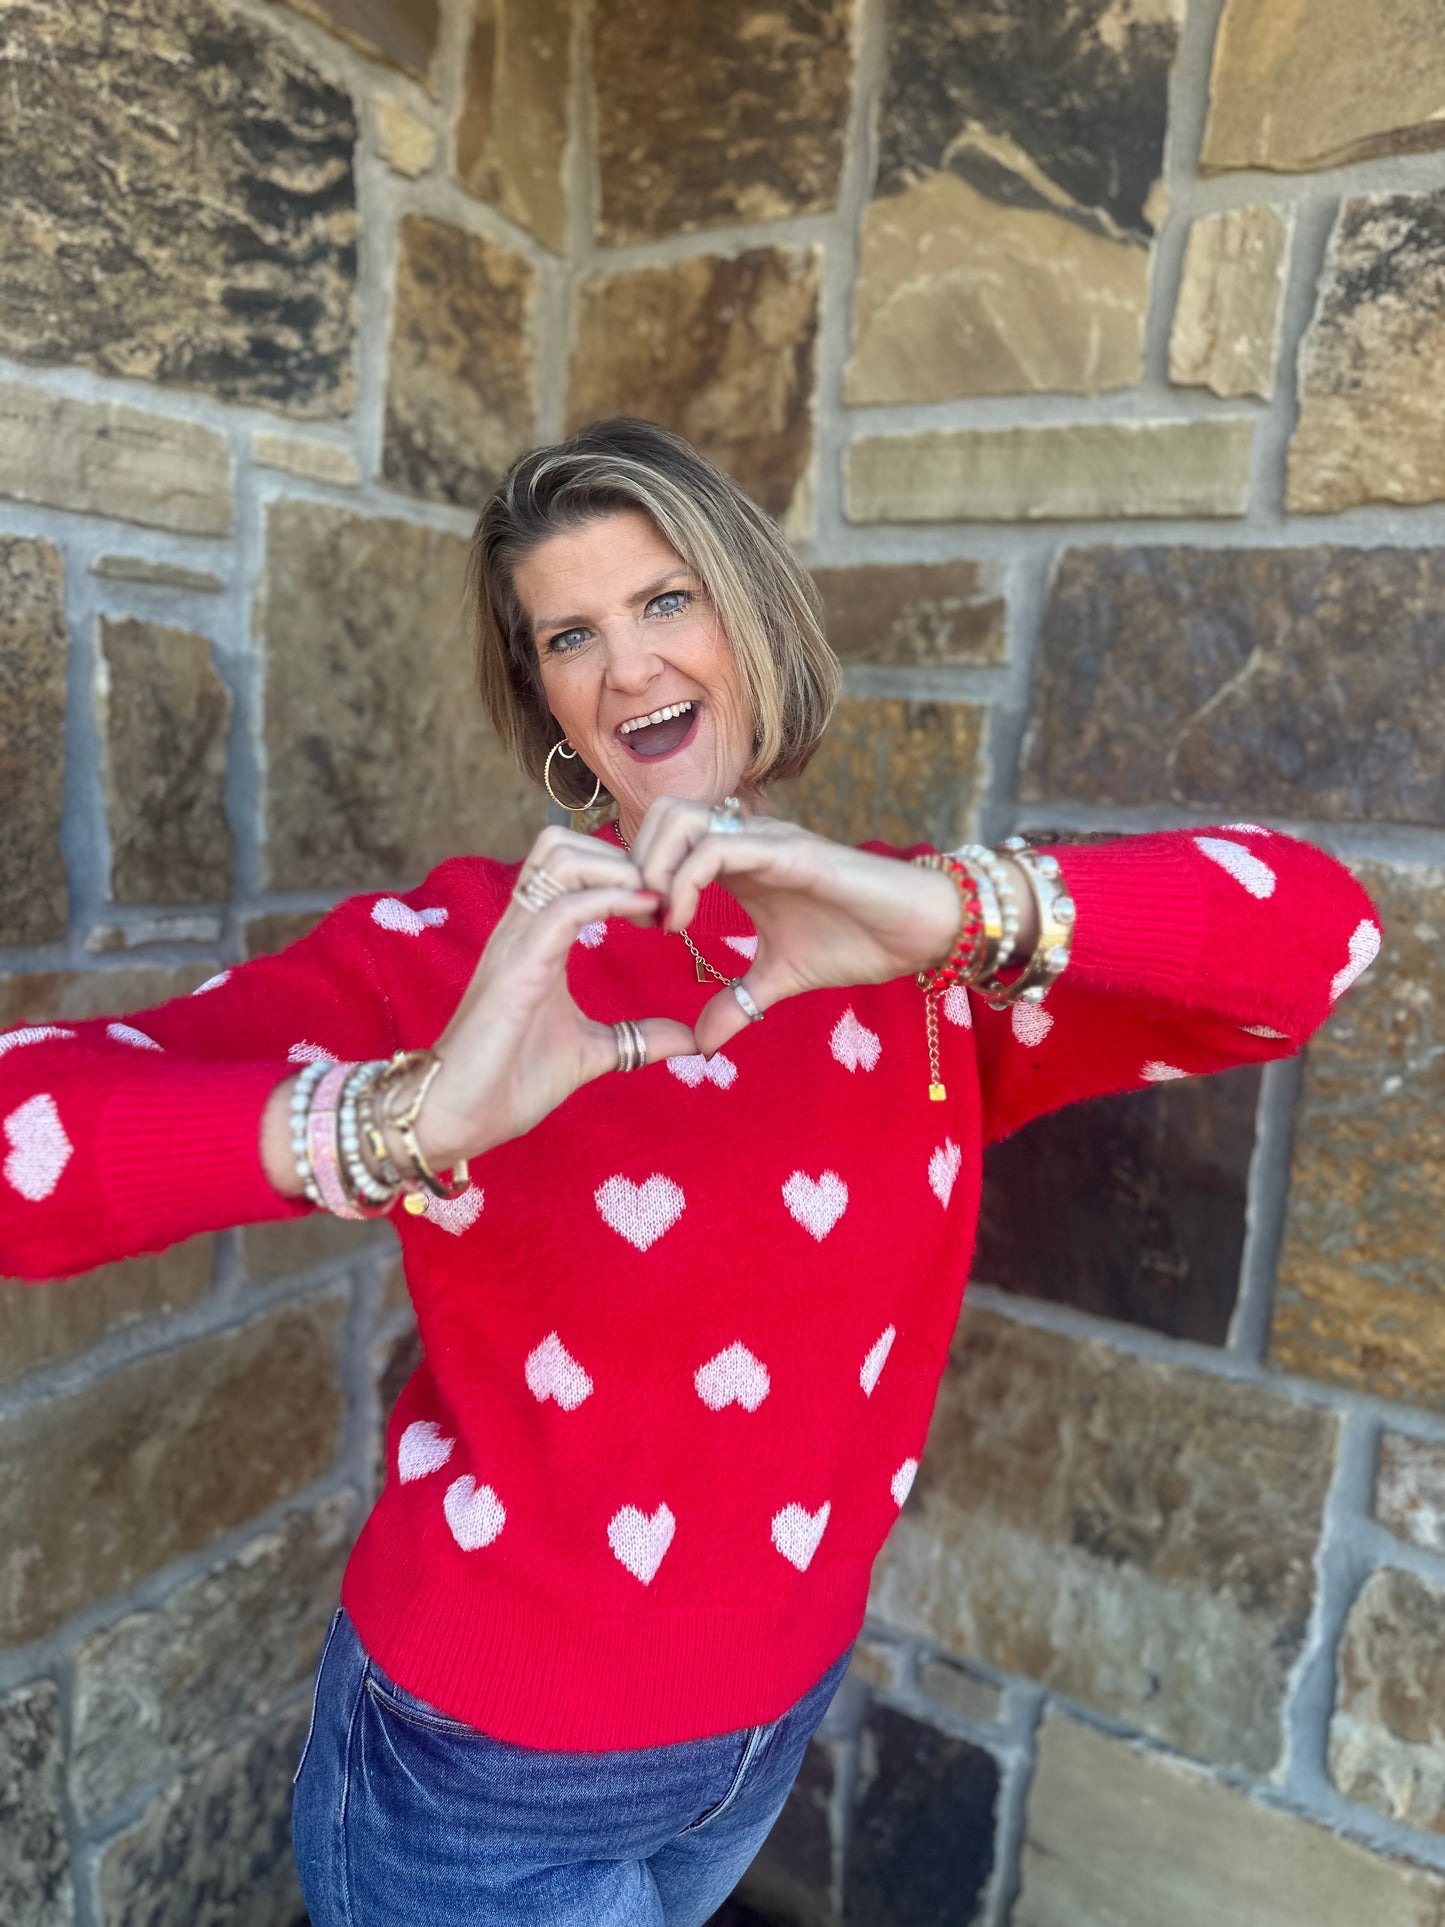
{"points": [[1090, 351]]}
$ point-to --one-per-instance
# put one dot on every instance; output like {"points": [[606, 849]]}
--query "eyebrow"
{"points": [[633, 602]]}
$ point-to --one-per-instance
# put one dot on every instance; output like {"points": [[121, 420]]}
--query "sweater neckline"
{"points": [[718, 913]]}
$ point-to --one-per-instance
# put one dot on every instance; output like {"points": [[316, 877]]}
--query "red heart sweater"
{"points": [[683, 1339]]}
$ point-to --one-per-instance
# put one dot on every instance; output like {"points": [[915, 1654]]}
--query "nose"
{"points": [[632, 662]]}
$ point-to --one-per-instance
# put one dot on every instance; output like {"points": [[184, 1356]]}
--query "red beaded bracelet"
{"points": [[969, 942]]}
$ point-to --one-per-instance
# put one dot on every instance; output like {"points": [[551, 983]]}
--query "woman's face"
{"points": [[624, 630]]}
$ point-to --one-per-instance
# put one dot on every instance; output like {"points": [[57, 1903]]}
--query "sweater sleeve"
{"points": [[1193, 951], [123, 1135]]}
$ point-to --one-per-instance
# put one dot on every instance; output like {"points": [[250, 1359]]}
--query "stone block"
{"points": [[1323, 83], [34, 647], [35, 1889], [263, 936], [52, 996], [791, 1879], [405, 143], [1374, 350], [1304, 682], [1227, 322], [926, 614], [512, 128], [156, 575], [215, 1847], [904, 772], [1410, 1490], [179, 208], [719, 348], [1130, 1207], [158, 1689], [460, 380], [1006, 249], [1077, 471], [308, 461], [160, 1458], [874, 1663], [402, 33], [1138, 1536], [275, 1250], [380, 760], [42, 1322], [199, 926], [921, 1838], [1357, 1292], [163, 714], [1387, 1732], [962, 1691], [1117, 1834], [708, 116]]}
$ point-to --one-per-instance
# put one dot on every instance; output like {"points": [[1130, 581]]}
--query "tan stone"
{"points": [[156, 575], [1119, 1835], [161, 1457], [1357, 1294], [1324, 83], [1373, 361], [163, 714], [179, 207], [403, 33], [460, 381], [1387, 1732], [34, 646], [202, 926], [1410, 1490], [310, 461], [1227, 322], [962, 1691], [1079, 471], [958, 294], [925, 613], [394, 1293], [102, 458], [380, 761], [157, 1690], [35, 1889], [53, 996], [512, 129], [721, 349], [274, 1250], [874, 1663], [263, 936], [904, 772], [407, 143], [1138, 1536], [40, 1323]]}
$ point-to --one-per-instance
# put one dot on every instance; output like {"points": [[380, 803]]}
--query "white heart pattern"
{"points": [[745, 946], [304, 1053], [1263, 1030], [1030, 1023], [1364, 948], [734, 1374], [956, 1007], [31, 1034], [1155, 1072], [1248, 829], [639, 1541], [591, 935], [853, 1043], [796, 1532], [39, 1148], [457, 1214], [211, 983], [875, 1361], [943, 1169], [696, 1069], [128, 1034], [901, 1484], [640, 1213], [422, 1450], [552, 1372], [1243, 865], [392, 914], [474, 1512], [816, 1203]]}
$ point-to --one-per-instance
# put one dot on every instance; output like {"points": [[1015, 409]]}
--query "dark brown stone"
{"points": [[164, 713], [1301, 682], [33, 651], [160, 1458], [1387, 1732], [924, 613], [1130, 1207], [1161, 1566], [459, 378], [40, 1323], [905, 772], [791, 1879], [179, 202], [721, 349], [380, 760], [921, 1839], [35, 1889], [708, 115], [403, 33], [512, 129]]}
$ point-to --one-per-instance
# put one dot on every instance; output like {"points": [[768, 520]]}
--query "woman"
{"points": [[684, 1326]]}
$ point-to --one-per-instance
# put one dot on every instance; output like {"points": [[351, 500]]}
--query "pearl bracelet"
{"points": [[1056, 914], [300, 1107]]}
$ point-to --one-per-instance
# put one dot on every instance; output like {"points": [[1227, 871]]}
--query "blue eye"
{"points": [[560, 645], [679, 598]]}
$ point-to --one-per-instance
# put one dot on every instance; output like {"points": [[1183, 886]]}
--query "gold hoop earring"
{"points": [[562, 804]]}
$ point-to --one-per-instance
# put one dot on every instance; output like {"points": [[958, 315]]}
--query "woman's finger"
{"points": [[553, 930], [661, 1036], [730, 853], [582, 862], [670, 828], [722, 1017]]}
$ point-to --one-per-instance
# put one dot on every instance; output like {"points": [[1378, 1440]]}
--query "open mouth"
{"points": [[661, 732]]}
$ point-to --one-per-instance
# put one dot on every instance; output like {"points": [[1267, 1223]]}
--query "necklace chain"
{"points": [[699, 958]]}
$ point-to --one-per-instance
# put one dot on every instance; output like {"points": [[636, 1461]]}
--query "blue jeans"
{"points": [[405, 1818]]}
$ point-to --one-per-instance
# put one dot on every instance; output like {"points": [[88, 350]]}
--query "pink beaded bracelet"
{"points": [[321, 1144]]}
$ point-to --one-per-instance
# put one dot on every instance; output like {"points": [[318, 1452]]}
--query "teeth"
{"points": [[657, 716]]}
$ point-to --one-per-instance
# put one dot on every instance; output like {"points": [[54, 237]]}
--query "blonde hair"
{"points": [[766, 600]]}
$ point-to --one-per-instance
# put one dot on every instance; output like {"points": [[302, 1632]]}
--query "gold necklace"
{"points": [[704, 968]]}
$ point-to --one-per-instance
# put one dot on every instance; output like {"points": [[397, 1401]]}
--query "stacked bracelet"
{"points": [[969, 945], [1056, 915], [336, 1109], [321, 1141], [370, 1196], [300, 1106]]}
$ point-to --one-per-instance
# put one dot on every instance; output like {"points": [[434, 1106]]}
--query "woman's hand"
{"points": [[824, 913]]}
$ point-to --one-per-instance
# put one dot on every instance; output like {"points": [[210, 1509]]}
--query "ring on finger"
{"points": [[727, 818], [537, 889], [749, 1008], [631, 1045]]}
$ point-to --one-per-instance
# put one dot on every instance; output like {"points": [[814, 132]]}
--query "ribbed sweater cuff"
{"points": [[1143, 923], [178, 1151]]}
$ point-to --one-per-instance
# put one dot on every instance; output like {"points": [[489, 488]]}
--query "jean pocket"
{"points": [[316, 1693], [411, 1707]]}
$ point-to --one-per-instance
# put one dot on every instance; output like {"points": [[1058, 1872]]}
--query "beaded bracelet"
{"points": [[370, 1197], [321, 1141], [993, 879], [1056, 914], [963, 959], [300, 1106]]}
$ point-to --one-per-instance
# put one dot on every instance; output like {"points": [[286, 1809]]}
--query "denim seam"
{"points": [[316, 1695], [352, 1728], [756, 1738], [413, 1715]]}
